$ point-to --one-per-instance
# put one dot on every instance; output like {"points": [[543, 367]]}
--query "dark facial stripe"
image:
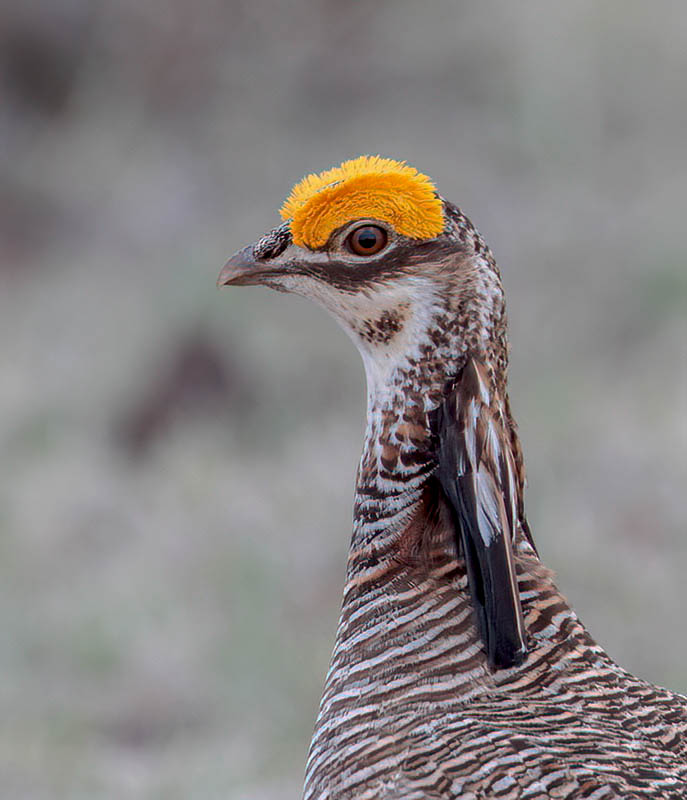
{"points": [[403, 259]]}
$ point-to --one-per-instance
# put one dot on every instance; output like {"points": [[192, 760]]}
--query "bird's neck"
{"points": [[398, 457], [395, 486], [409, 372], [403, 531], [395, 470]]}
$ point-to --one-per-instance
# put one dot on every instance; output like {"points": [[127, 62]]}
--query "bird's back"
{"points": [[412, 710]]}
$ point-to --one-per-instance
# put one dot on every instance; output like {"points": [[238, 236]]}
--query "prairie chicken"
{"points": [[459, 670]]}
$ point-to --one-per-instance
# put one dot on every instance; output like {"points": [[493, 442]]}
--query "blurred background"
{"points": [[178, 464]]}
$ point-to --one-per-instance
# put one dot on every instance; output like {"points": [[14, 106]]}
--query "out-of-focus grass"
{"points": [[178, 464]]}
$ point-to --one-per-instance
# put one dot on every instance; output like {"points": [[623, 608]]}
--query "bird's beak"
{"points": [[242, 270]]}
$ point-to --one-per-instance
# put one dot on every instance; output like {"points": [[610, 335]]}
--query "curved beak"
{"points": [[241, 269]]}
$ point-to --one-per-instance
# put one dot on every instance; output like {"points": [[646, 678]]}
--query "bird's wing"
{"points": [[477, 473]]}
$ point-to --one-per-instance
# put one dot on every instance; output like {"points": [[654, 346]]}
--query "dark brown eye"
{"points": [[367, 240]]}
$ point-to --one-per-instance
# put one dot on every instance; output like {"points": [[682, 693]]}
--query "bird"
{"points": [[459, 670]]}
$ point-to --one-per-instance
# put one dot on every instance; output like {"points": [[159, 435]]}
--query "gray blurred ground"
{"points": [[177, 463]]}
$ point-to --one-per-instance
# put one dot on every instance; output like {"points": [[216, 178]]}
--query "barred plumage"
{"points": [[459, 670]]}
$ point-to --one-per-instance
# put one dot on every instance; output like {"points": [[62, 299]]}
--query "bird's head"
{"points": [[403, 271]]}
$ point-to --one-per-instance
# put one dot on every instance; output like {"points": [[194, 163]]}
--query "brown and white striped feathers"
{"points": [[459, 671]]}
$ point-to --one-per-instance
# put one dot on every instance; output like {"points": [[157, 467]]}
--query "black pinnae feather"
{"points": [[475, 489]]}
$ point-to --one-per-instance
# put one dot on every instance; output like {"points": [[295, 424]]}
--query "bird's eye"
{"points": [[366, 240]]}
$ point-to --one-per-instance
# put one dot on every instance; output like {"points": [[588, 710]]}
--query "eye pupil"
{"points": [[367, 240]]}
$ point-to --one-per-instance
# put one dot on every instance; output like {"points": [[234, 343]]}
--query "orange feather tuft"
{"points": [[366, 187]]}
